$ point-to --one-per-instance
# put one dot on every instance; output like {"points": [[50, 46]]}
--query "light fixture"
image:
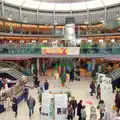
{"points": [[89, 41], [10, 41], [101, 40], [33, 41], [86, 22], [25, 19], [9, 18], [112, 40], [55, 22], [44, 41], [102, 20]]}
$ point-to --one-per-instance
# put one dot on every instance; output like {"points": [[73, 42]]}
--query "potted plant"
{"points": [[62, 82]]}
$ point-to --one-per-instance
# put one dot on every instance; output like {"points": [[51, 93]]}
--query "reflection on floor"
{"points": [[79, 89]]}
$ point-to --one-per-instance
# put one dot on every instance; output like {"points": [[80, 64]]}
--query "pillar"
{"points": [[38, 69], [93, 64]]}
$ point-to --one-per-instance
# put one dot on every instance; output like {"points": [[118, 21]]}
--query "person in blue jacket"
{"points": [[0, 84]]}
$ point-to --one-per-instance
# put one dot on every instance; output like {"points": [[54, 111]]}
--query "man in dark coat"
{"points": [[92, 87], [46, 85], [15, 106], [79, 107], [117, 101]]}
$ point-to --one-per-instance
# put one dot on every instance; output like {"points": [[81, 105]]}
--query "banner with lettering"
{"points": [[54, 51], [60, 50]]}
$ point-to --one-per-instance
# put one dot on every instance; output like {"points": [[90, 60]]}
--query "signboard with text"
{"points": [[60, 51]]}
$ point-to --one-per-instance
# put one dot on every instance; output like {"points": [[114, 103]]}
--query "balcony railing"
{"points": [[38, 49]]}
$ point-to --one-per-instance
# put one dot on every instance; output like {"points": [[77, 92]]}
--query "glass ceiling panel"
{"points": [[15, 2], [110, 2], [78, 6], [94, 4], [63, 7], [47, 6], [31, 4]]}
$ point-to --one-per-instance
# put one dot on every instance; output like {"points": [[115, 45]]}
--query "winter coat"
{"points": [[73, 103], [79, 107], [46, 85], [117, 100], [14, 105], [31, 102], [92, 86]]}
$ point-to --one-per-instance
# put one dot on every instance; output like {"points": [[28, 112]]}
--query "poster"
{"points": [[61, 105], [47, 111]]}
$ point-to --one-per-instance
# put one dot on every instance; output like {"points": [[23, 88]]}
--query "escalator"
{"points": [[15, 71], [115, 77]]}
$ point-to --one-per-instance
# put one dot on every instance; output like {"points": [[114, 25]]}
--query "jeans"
{"points": [[101, 115], [31, 111]]}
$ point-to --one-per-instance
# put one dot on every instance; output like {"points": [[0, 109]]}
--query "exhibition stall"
{"points": [[7, 94]]}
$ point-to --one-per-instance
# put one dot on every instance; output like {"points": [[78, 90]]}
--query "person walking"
{"points": [[15, 106], [46, 85], [92, 87], [83, 113], [73, 102], [0, 84], [98, 92], [101, 107], [31, 104], [79, 107], [117, 101], [70, 112], [26, 92]]}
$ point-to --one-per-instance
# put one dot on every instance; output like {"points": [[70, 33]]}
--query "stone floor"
{"points": [[79, 89]]}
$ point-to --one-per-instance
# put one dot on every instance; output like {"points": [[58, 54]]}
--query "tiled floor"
{"points": [[79, 89]]}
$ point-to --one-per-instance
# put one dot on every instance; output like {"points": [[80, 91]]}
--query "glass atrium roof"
{"points": [[63, 5]]}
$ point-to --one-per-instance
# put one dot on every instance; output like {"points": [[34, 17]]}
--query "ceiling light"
{"points": [[89, 41], [9, 18], [25, 19], [86, 22], [118, 18], [101, 40], [55, 22], [112, 40]]}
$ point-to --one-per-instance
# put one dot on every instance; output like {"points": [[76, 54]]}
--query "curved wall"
{"points": [[44, 17]]}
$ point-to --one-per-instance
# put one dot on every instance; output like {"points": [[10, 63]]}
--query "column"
{"points": [[38, 69], [2, 9], [93, 64]]}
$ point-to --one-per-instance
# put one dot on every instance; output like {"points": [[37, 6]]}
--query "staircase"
{"points": [[14, 70]]}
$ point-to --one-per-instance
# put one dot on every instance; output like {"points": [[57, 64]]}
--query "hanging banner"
{"points": [[61, 104], [73, 50], [47, 111], [60, 51], [54, 51]]}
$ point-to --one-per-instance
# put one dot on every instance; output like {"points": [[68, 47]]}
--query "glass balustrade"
{"points": [[37, 49]]}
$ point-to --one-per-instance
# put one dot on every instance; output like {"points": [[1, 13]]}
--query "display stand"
{"points": [[55, 107], [93, 114]]}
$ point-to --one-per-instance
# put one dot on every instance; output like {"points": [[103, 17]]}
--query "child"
{"points": [[83, 113]]}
